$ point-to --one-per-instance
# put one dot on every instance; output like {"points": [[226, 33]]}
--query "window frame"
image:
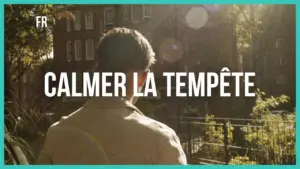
{"points": [[77, 22], [92, 56], [281, 61], [145, 11], [78, 58], [134, 18], [69, 51], [279, 42], [89, 20], [105, 15]]}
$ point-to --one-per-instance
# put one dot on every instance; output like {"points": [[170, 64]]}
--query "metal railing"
{"points": [[238, 141]]}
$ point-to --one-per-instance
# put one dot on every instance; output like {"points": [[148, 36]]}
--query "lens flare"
{"points": [[196, 17], [170, 50]]}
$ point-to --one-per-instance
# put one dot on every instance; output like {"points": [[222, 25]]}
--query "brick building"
{"points": [[276, 54], [208, 48]]}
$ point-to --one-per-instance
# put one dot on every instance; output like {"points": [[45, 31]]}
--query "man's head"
{"points": [[127, 51]]}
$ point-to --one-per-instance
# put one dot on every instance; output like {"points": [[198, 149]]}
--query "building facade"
{"points": [[276, 54], [179, 46]]}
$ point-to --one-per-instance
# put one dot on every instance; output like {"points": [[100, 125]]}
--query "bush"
{"points": [[238, 160], [265, 139], [271, 136], [24, 127], [213, 139], [16, 150]]}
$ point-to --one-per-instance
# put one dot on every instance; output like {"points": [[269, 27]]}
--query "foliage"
{"points": [[266, 139], [213, 139], [263, 104], [252, 25], [16, 150], [273, 136], [27, 127], [23, 129], [247, 19], [238, 160], [25, 44]]}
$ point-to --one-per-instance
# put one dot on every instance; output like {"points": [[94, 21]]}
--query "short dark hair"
{"points": [[123, 50]]}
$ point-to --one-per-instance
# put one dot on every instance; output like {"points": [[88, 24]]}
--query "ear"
{"points": [[142, 78]]}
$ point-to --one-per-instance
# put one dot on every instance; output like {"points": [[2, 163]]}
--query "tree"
{"points": [[25, 44]]}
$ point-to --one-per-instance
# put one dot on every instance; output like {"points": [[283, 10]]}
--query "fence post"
{"points": [[189, 139], [225, 128]]}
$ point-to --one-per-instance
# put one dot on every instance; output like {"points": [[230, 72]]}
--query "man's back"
{"points": [[111, 131]]}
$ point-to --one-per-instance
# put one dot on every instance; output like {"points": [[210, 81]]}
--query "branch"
{"points": [[243, 13]]}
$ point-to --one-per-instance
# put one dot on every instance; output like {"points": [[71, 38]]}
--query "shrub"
{"points": [[213, 139], [271, 136], [238, 160]]}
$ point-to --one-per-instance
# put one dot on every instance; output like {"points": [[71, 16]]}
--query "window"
{"points": [[281, 79], [77, 22], [68, 24], [281, 60], [134, 13], [108, 16], [89, 49], [89, 20], [125, 13], [279, 43], [147, 11], [69, 51], [78, 50]]}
